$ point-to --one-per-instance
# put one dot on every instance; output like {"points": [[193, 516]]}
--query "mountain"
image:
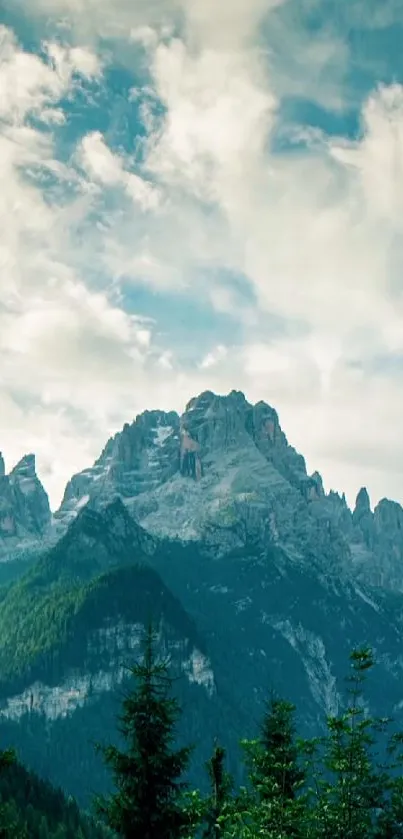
{"points": [[225, 466], [257, 578], [24, 506]]}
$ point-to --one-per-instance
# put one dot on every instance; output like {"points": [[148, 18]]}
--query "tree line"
{"points": [[345, 784], [336, 786]]}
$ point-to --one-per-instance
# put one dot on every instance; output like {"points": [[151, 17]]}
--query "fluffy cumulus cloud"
{"points": [[244, 157]]}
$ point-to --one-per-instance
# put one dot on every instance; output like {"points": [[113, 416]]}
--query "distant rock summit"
{"points": [[24, 505], [224, 473], [181, 474]]}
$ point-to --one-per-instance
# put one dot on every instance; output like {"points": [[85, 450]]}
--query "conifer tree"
{"points": [[390, 818], [353, 794], [218, 802], [149, 799], [9, 827], [276, 774]]}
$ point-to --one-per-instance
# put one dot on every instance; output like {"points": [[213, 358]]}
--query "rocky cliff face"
{"points": [[224, 473], [24, 506], [116, 644], [377, 542], [138, 459]]}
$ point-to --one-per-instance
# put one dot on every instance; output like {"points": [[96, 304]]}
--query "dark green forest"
{"points": [[31, 808], [346, 784]]}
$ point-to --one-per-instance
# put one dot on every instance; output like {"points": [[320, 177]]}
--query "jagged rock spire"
{"points": [[362, 504], [24, 504], [26, 467]]}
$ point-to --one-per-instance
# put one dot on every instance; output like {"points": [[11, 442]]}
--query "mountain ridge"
{"points": [[226, 462], [222, 466]]}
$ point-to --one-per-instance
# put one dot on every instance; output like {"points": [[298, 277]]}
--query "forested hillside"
{"points": [[31, 808]]}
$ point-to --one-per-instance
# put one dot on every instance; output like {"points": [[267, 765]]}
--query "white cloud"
{"points": [[378, 156], [144, 35], [108, 168], [218, 115], [68, 355], [316, 232], [91, 19], [214, 357], [29, 85], [313, 233], [224, 26], [297, 225]]}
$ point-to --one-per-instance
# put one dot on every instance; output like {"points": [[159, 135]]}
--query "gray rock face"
{"points": [[214, 424], [142, 456], [362, 504], [158, 447], [222, 472], [24, 504], [380, 535], [225, 473]]}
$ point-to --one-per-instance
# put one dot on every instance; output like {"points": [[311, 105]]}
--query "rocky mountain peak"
{"points": [[224, 472], [363, 519], [362, 503], [313, 488], [25, 468], [2, 466], [317, 478], [210, 424], [183, 475], [24, 504], [100, 537], [213, 423], [113, 520], [388, 517]]}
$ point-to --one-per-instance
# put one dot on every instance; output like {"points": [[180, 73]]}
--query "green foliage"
{"points": [[218, 805], [330, 787], [32, 809], [276, 774], [353, 789], [149, 800], [45, 619]]}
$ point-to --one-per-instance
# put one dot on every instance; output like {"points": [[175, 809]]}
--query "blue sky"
{"points": [[200, 195]]}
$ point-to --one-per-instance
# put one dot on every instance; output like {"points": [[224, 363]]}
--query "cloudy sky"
{"points": [[200, 195]]}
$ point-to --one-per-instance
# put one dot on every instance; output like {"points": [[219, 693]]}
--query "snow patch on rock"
{"points": [[162, 432]]}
